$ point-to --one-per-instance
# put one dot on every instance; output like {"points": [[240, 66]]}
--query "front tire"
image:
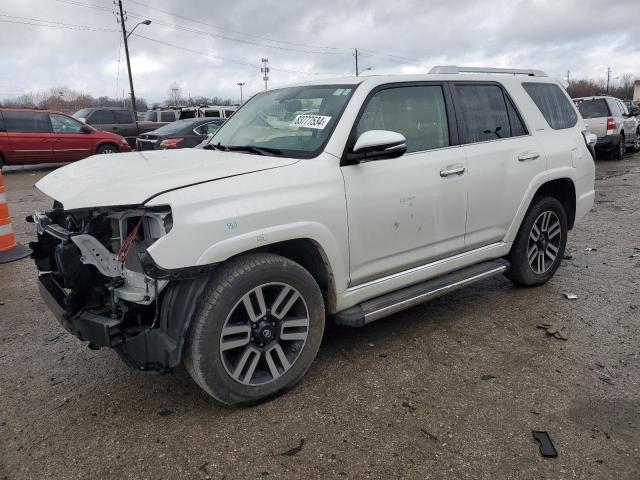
{"points": [[107, 149], [539, 246], [257, 330]]}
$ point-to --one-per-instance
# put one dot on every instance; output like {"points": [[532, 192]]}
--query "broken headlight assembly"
{"points": [[95, 254]]}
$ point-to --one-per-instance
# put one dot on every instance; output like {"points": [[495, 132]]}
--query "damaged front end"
{"points": [[97, 277]]}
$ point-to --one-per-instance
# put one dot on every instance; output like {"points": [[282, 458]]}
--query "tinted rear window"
{"points": [[26, 122], [483, 113], [554, 105], [595, 108], [167, 116], [1, 123]]}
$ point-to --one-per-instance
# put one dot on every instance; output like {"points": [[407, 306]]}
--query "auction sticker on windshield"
{"points": [[310, 121]]}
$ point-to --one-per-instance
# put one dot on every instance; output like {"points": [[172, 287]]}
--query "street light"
{"points": [[144, 22], [240, 84]]}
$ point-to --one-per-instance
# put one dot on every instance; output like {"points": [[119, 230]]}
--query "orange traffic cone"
{"points": [[9, 249]]}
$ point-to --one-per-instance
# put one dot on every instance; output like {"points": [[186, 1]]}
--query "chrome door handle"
{"points": [[523, 157], [452, 170]]}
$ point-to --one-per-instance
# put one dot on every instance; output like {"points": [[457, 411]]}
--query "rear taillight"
{"points": [[171, 142], [611, 123]]}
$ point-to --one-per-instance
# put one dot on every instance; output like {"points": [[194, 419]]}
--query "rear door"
{"points": [[103, 120], [70, 142], [30, 137], [125, 126], [502, 159]]}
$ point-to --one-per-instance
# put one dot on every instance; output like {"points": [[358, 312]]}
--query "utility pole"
{"points": [[240, 84], [126, 52], [568, 76], [608, 77], [122, 19], [265, 72], [356, 55]]}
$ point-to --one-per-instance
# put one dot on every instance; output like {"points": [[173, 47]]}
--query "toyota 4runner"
{"points": [[348, 200]]}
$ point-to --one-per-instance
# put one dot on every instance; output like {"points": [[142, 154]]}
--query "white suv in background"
{"points": [[609, 119], [348, 199]]}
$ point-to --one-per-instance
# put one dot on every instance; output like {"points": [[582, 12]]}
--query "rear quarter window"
{"points": [[2, 129], [554, 105]]}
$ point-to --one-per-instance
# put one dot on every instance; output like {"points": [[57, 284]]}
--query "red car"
{"points": [[30, 136]]}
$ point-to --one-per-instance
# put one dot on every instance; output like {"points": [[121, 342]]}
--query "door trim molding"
{"points": [[426, 266]]}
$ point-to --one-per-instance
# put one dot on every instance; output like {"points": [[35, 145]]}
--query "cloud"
{"points": [[307, 41]]}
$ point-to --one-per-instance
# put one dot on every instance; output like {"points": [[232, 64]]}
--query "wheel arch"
{"points": [[104, 142], [312, 257], [564, 190]]}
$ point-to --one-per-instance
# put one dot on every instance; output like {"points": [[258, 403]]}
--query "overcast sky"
{"points": [[209, 46]]}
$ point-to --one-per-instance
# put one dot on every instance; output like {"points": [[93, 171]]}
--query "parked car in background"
{"points": [[158, 115], [617, 130], [30, 136], [116, 120], [633, 107], [351, 199], [179, 134], [212, 111]]}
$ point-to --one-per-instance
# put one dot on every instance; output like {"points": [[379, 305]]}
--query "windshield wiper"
{"points": [[252, 149], [213, 146]]}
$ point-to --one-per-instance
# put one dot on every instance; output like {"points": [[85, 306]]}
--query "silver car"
{"points": [[608, 118]]}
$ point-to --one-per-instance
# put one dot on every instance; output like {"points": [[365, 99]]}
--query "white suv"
{"points": [[347, 199]]}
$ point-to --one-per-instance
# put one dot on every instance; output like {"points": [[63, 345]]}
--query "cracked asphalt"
{"points": [[448, 390]]}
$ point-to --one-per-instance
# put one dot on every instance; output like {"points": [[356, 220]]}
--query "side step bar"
{"points": [[393, 302]]}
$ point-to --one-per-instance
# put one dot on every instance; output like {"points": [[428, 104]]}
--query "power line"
{"points": [[233, 31], [210, 34], [226, 59], [66, 26]]}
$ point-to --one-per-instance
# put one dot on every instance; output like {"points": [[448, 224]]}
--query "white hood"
{"points": [[131, 178]]}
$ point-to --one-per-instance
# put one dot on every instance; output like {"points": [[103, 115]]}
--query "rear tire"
{"points": [[539, 246], [257, 330], [106, 149], [618, 152], [636, 142]]}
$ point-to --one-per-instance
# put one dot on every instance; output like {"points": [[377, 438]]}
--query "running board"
{"points": [[393, 302]]}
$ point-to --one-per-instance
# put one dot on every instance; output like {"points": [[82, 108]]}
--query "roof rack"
{"points": [[449, 69]]}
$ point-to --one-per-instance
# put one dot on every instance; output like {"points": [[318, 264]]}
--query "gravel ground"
{"points": [[406, 397]]}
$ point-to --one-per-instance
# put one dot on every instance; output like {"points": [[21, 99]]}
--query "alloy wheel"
{"points": [[544, 242], [264, 334]]}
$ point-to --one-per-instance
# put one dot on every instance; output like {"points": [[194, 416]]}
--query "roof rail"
{"points": [[448, 69]]}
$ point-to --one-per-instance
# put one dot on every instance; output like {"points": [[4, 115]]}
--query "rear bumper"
{"points": [[608, 142]]}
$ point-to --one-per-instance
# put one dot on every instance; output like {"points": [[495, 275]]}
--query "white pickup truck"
{"points": [[347, 199]]}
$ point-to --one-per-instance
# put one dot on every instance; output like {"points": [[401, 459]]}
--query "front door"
{"points": [[70, 143], [410, 210]]}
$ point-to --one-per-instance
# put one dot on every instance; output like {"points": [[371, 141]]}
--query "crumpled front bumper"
{"points": [[98, 330]]}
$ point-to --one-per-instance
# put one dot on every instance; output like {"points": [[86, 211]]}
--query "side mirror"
{"points": [[378, 144], [86, 129]]}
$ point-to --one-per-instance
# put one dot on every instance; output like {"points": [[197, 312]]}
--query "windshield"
{"points": [[595, 108], [295, 121], [81, 113]]}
